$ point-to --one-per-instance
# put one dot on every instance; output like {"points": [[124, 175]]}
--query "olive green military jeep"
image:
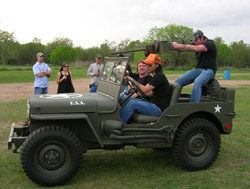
{"points": [[64, 126]]}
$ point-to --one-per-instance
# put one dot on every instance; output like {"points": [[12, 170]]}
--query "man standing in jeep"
{"points": [[206, 63]]}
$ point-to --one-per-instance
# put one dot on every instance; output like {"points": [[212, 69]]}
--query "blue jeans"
{"points": [[140, 106], [39, 90], [93, 88], [123, 93], [199, 77]]}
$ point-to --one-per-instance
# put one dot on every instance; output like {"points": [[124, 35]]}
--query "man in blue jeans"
{"points": [[206, 63], [41, 71], [158, 88]]}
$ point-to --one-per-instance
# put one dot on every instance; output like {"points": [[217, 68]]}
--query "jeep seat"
{"points": [[175, 90]]}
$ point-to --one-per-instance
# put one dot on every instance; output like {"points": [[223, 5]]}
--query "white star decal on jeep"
{"points": [[217, 108], [61, 96]]}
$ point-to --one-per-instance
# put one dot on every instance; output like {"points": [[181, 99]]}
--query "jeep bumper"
{"points": [[17, 136]]}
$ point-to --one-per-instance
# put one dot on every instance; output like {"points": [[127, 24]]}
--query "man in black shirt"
{"points": [[158, 88], [206, 63], [141, 76]]}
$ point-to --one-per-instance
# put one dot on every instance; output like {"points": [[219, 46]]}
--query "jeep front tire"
{"points": [[51, 155]]}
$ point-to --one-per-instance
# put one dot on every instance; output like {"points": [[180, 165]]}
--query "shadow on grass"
{"points": [[131, 164]]}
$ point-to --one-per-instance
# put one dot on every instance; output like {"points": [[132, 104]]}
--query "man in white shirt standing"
{"points": [[95, 70], [41, 71]]}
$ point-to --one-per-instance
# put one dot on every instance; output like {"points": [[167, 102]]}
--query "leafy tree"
{"points": [[104, 50], [137, 56], [137, 44], [224, 54], [112, 46], [81, 53], [91, 53], [36, 40], [219, 40], [28, 52], [6, 41], [172, 32], [14, 54], [240, 54], [56, 43], [123, 44], [63, 54]]}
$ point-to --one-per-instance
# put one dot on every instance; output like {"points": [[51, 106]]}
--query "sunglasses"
{"points": [[66, 66], [150, 65]]}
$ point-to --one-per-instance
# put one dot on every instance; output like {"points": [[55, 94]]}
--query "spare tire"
{"points": [[211, 88]]}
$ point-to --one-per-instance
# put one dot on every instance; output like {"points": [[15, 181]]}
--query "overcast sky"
{"points": [[89, 23]]}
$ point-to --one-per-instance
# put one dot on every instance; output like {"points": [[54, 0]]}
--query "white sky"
{"points": [[89, 23]]}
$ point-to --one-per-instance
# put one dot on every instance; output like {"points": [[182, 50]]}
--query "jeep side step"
{"points": [[138, 137]]}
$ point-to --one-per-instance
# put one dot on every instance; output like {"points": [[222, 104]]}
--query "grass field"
{"points": [[24, 74], [140, 168]]}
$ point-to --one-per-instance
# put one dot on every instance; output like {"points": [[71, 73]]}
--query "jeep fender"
{"points": [[47, 117], [221, 110]]}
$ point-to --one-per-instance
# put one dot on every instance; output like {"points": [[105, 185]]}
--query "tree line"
{"points": [[235, 54]]}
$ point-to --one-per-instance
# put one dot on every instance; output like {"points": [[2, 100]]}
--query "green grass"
{"points": [[15, 67], [26, 76], [141, 168]]}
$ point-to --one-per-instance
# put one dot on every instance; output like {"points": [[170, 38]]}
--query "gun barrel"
{"points": [[157, 47], [128, 51]]}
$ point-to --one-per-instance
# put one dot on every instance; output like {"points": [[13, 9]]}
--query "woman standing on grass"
{"points": [[64, 80]]}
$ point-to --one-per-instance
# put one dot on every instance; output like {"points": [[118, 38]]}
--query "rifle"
{"points": [[157, 47]]}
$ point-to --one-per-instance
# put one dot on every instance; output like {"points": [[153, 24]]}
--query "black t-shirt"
{"points": [[161, 92], [207, 59], [144, 80]]}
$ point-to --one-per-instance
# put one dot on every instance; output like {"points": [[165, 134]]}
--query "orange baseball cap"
{"points": [[152, 58]]}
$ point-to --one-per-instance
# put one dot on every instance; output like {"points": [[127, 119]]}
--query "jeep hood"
{"points": [[71, 103]]}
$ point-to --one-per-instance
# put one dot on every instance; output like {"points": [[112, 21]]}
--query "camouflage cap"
{"points": [[197, 34], [39, 54]]}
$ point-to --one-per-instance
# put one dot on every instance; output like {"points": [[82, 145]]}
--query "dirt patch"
{"points": [[17, 91]]}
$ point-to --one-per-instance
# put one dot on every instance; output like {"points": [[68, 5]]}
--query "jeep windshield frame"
{"points": [[112, 76], [113, 71]]}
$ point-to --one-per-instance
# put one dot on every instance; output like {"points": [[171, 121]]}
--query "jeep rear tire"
{"points": [[196, 144], [51, 155]]}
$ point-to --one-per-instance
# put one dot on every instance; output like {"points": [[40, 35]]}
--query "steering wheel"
{"points": [[133, 84]]}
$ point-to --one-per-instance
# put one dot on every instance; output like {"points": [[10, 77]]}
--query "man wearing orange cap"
{"points": [[158, 88]]}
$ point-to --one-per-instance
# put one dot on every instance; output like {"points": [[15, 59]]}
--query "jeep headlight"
{"points": [[28, 107]]}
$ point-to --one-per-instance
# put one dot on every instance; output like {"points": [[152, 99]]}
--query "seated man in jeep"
{"points": [[141, 76], [158, 88]]}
